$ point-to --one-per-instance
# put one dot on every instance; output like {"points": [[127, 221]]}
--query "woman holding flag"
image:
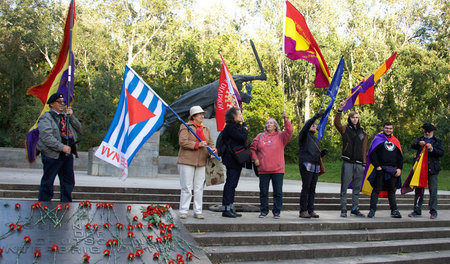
{"points": [[192, 158]]}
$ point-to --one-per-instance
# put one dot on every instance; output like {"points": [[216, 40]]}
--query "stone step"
{"points": [[210, 239], [323, 250], [433, 257]]}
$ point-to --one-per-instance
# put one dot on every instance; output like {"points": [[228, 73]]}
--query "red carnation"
{"points": [[55, 247], [129, 208], [59, 207], [150, 226], [179, 256], [130, 227], [67, 206], [106, 252], [171, 262], [95, 227], [19, 227], [167, 206], [135, 218], [12, 226], [180, 261], [45, 207], [159, 240], [131, 256], [139, 252], [37, 253], [115, 242], [27, 239], [17, 206], [109, 242], [189, 255], [139, 225], [86, 257], [1, 251], [88, 226], [106, 225], [156, 255], [149, 238], [130, 234]]}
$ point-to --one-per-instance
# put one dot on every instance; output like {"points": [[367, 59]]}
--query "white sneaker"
{"points": [[199, 216], [183, 216]]}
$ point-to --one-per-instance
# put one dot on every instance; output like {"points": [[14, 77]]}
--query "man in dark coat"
{"points": [[435, 151]]}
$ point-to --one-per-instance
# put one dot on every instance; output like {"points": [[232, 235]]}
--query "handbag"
{"points": [[241, 154], [215, 172], [321, 165]]}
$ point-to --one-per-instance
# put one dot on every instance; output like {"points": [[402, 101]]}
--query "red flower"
{"points": [[115, 242], [130, 227], [135, 218], [169, 237], [156, 255], [139, 252], [88, 226], [67, 206], [171, 262], [27, 239], [106, 225], [1, 251], [131, 256], [59, 207], [180, 261], [37, 253], [179, 256], [106, 252], [55, 247], [88, 205], [159, 240], [167, 206], [144, 214], [171, 225], [38, 204], [149, 238], [161, 225], [130, 234], [45, 207], [119, 225], [162, 231], [86, 257], [139, 225], [109, 242], [129, 208], [95, 227], [17, 206], [18, 227], [189, 255], [150, 226], [12, 226]]}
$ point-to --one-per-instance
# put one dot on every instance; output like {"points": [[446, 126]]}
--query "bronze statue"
{"points": [[206, 96]]}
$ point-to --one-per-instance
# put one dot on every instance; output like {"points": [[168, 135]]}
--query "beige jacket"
{"points": [[188, 154]]}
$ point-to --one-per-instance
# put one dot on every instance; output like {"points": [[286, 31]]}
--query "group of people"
{"points": [[384, 155], [59, 130]]}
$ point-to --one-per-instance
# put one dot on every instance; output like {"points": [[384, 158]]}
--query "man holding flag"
{"points": [[435, 150], [57, 147], [354, 148]]}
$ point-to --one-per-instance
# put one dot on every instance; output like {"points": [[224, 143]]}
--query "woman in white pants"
{"points": [[192, 158]]}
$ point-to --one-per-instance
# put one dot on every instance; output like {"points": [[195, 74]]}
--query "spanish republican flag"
{"points": [[369, 173], [227, 95], [299, 43], [364, 92], [418, 177], [57, 81]]}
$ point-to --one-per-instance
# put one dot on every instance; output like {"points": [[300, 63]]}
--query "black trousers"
{"points": [[308, 193], [378, 185], [229, 189]]}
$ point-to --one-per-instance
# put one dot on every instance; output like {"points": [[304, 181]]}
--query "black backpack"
{"points": [[220, 144]]}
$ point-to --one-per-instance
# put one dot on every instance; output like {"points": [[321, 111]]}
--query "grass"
{"points": [[333, 174]]}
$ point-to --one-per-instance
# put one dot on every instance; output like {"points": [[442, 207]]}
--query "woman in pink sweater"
{"points": [[268, 154]]}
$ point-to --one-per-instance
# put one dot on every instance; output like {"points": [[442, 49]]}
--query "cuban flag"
{"points": [[139, 114]]}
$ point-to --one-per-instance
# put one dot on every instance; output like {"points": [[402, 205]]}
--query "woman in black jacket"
{"points": [[309, 164], [234, 134]]}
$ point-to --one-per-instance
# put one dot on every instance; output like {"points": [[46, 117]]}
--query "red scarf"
{"points": [[199, 131]]}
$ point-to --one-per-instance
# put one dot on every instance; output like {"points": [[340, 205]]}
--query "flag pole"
{"points": [[69, 75], [283, 53], [168, 107]]}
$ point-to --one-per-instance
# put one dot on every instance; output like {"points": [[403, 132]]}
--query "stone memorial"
{"points": [[50, 232]]}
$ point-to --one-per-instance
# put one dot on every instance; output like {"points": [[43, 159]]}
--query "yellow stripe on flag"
{"points": [[367, 187]]}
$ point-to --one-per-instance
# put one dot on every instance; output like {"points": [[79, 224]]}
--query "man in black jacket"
{"points": [[435, 151], [354, 149]]}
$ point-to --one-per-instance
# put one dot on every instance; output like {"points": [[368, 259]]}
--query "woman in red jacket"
{"points": [[268, 154]]}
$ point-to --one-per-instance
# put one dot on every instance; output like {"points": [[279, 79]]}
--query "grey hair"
{"points": [[277, 127]]}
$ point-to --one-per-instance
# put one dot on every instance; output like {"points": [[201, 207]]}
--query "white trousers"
{"points": [[191, 178]]}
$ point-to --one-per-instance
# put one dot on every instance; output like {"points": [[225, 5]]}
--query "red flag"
{"points": [[227, 95]]}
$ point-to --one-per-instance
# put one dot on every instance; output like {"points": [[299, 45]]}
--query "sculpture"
{"points": [[206, 96]]}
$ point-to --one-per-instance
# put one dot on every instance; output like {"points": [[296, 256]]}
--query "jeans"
{"points": [[229, 189], [191, 178], [354, 173], [277, 185], [378, 185], [418, 198], [308, 193], [63, 166]]}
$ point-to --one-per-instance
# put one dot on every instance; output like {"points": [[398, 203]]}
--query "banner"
{"points": [[227, 95]]}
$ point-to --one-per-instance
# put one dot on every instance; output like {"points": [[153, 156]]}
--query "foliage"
{"points": [[174, 47]]}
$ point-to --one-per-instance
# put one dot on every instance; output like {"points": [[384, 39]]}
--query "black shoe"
{"points": [[228, 214], [357, 213], [396, 214], [343, 213], [235, 213], [371, 213]]}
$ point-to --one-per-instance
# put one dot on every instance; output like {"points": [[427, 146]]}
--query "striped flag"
{"points": [[139, 114], [299, 43], [58, 80], [418, 177], [227, 95], [364, 92]]}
